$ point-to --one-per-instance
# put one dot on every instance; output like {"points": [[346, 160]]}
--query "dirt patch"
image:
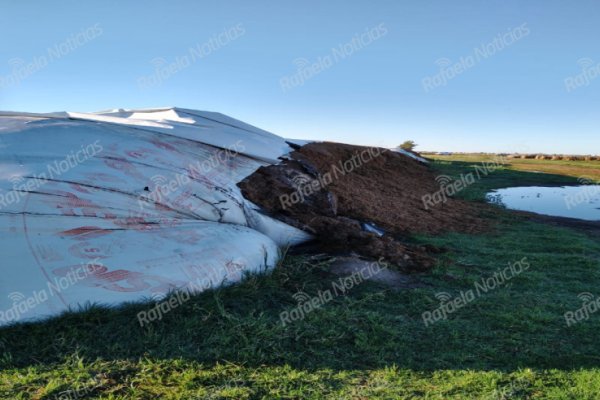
{"points": [[347, 196]]}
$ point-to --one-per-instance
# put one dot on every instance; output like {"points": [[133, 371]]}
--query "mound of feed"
{"points": [[347, 196]]}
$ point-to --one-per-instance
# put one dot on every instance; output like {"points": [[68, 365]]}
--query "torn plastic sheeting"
{"points": [[372, 228], [210, 128], [152, 210], [207, 127], [410, 154]]}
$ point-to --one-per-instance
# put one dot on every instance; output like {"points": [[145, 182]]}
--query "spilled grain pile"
{"points": [[360, 199]]}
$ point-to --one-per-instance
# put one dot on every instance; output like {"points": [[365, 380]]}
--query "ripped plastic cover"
{"points": [[127, 205]]}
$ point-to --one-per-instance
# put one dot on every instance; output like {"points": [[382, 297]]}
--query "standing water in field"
{"points": [[582, 202]]}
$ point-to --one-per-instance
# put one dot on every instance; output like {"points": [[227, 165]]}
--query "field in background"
{"points": [[371, 343], [577, 169]]}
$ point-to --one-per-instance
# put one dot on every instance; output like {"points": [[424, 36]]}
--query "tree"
{"points": [[408, 145]]}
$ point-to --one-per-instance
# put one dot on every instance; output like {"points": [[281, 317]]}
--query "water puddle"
{"points": [[581, 202]]}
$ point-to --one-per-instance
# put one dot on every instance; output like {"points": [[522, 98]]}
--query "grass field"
{"points": [[577, 169], [510, 342]]}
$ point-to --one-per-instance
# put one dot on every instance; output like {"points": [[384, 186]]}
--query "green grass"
{"points": [[511, 343], [496, 176]]}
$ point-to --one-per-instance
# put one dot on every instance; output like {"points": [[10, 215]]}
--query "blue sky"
{"points": [[513, 99]]}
